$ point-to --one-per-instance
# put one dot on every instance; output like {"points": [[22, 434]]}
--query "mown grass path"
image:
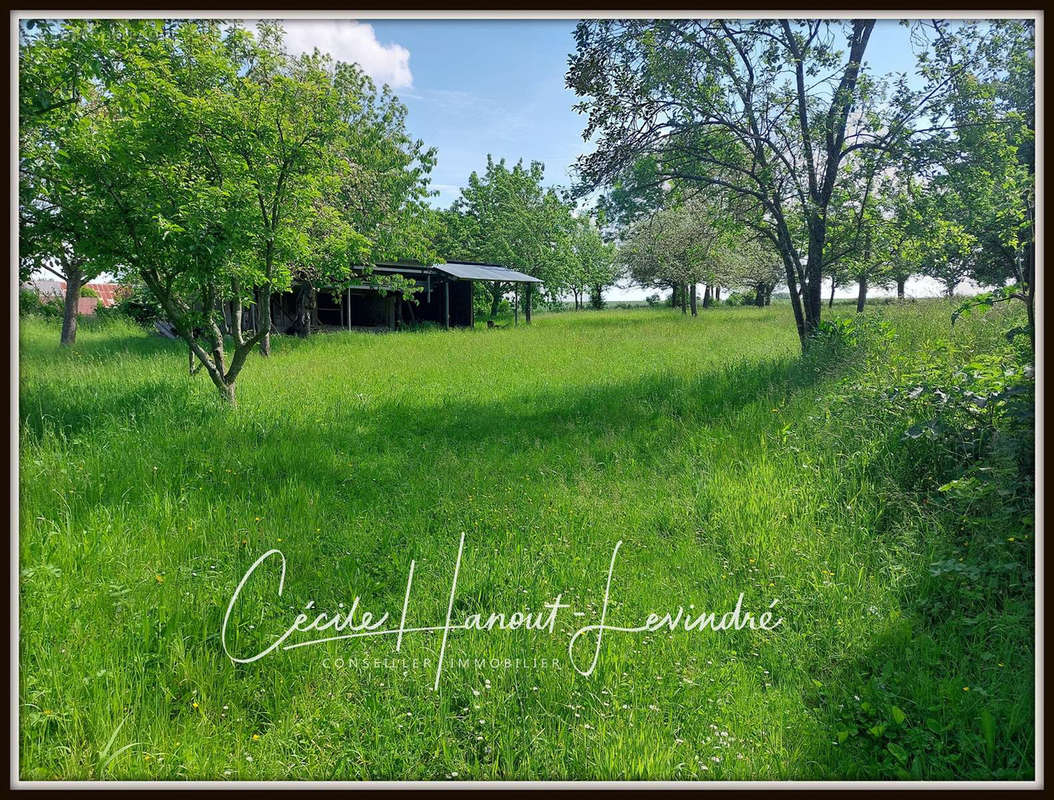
{"points": [[705, 445]]}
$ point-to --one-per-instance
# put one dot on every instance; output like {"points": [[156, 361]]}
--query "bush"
{"points": [[87, 291], [942, 431], [739, 299], [29, 302], [136, 303], [653, 299]]}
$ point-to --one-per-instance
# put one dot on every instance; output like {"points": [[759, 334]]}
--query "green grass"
{"points": [[724, 462]]}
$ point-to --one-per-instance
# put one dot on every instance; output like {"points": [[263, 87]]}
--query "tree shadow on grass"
{"points": [[400, 441], [44, 411]]}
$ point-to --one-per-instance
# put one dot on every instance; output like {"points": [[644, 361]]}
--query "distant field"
{"points": [[722, 460]]}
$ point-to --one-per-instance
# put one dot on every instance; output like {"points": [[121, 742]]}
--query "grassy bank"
{"points": [[723, 461]]}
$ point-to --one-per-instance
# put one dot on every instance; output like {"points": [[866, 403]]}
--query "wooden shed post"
{"points": [[527, 307], [446, 304], [515, 304]]}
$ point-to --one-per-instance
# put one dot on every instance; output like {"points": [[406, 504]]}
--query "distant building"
{"points": [[54, 289], [444, 297]]}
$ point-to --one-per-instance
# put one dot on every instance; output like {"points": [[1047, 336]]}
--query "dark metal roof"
{"points": [[460, 270], [484, 272]]}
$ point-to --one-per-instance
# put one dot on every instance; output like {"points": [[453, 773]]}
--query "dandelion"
{"points": [[256, 737], [159, 578], [195, 704], [966, 688]]}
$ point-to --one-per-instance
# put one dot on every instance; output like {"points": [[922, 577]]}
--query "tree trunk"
{"points": [[69, 307], [717, 295], [814, 273], [900, 287], [708, 299], [262, 320], [694, 302], [495, 299], [768, 294], [861, 295], [759, 295], [684, 298], [834, 283], [302, 318]]}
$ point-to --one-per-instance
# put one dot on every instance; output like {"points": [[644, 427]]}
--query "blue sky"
{"points": [[489, 86], [497, 86]]}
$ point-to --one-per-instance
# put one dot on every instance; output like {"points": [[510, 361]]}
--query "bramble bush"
{"points": [[946, 432]]}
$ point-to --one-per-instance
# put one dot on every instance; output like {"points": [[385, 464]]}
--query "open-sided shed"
{"points": [[444, 296]]}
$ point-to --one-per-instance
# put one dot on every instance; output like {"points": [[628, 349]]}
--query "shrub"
{"points": [[134, 302], [29, 302]]}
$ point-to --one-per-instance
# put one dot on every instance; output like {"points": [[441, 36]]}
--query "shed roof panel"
{"points": [[484, 272]]}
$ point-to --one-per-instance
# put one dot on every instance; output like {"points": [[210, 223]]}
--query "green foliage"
{"points": [[138, 304], [872, 178], [29, 302], [680, 245], [957, 422], [213, 167], [507, 217]]}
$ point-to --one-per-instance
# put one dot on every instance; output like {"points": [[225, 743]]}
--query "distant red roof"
{"points": [[107, 292]]}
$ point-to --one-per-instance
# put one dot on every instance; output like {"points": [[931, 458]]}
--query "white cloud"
{"points": [[347, 40]]}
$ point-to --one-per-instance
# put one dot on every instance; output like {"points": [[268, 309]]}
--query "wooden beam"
{"points": [[515, 304], [446, 304], [527, 307]]}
